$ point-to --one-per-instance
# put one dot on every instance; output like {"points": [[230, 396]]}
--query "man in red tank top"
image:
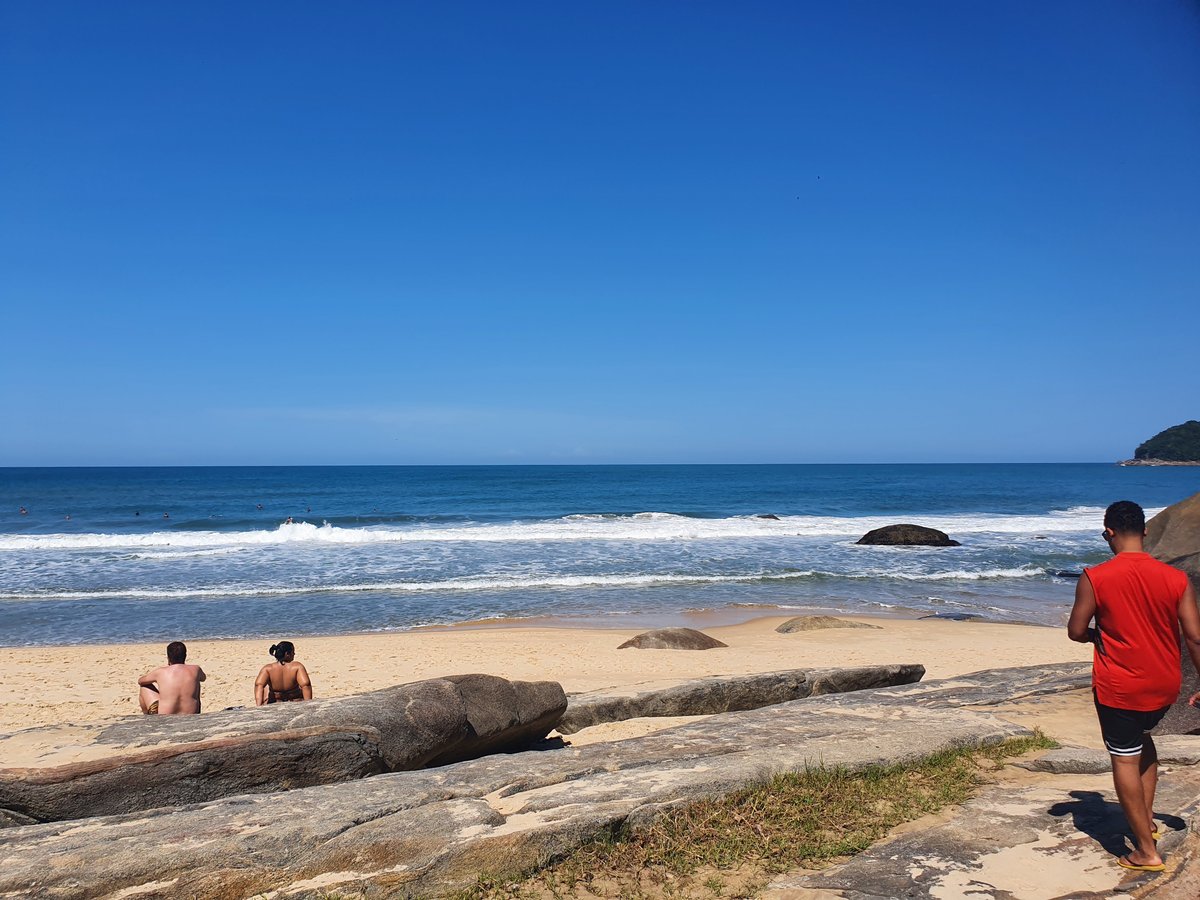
{"points": [[1139, 605]]}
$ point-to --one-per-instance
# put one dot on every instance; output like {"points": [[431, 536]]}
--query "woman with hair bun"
{"points": [[283, 680]]}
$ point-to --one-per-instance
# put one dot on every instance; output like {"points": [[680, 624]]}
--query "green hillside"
{"points": [[1180, 443]]}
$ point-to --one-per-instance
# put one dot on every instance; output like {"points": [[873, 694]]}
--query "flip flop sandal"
{"points": [[1124, 863]]}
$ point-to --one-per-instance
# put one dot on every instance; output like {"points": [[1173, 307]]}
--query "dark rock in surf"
{"points": [[906, 535], [770, 516], [955, 617], [673, 639]]}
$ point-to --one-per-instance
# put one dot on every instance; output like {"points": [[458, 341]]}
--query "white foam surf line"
{"points": [[641, 527], [503, 583]]}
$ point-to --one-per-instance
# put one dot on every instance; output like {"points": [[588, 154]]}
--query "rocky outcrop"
{"points": [[1177, 444], [145, 762], [907, 536], [434, 831], [1044, 836], [1173, 536], [672, 639], [502, 715], [817, 623], [1180, 750], [1175, 532], [727, 693]]}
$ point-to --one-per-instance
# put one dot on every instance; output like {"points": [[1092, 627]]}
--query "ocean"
{"points": [[133, 554]]}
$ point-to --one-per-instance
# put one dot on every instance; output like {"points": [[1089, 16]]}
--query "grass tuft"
{"points": [[730, 847]]}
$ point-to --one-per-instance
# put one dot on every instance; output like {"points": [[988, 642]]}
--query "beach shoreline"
{"points": [[64, 685]]}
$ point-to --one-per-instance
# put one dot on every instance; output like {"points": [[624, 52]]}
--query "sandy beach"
{"points": [[67, 685]]}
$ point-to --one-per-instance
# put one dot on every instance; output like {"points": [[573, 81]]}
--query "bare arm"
{"points": [[1189, 624], [1082, 612], [303, 681], [148, 680], [261, 686]]}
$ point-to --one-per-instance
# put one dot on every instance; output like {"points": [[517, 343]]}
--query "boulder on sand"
{"points": [[672, 639], [144, 762], [1173, 536], [817, 623], [906, 535]]}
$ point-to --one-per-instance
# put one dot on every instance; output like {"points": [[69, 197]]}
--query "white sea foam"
{"points": [[508, 583], [650, 526]]}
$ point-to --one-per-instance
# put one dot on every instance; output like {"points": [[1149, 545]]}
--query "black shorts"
{"points": [[1124, 730]]}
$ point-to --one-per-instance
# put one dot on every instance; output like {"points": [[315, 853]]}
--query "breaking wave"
{"points": [[653, 526], [508, 583]]}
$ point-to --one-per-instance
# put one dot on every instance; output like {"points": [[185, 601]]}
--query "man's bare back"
{"points": [[173, 689]]}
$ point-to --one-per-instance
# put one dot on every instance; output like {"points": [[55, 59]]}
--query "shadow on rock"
{"points": [[1103, 821]]}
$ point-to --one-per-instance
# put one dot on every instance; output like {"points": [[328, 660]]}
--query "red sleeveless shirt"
{"points": [[1137, 612]]}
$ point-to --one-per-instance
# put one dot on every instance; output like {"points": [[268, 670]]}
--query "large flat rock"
{"points": [[727, 693], [1046, 837], [153, 761], [430, 832]]}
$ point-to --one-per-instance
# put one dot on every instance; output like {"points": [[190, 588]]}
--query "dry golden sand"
{"points": [[68, 685]]}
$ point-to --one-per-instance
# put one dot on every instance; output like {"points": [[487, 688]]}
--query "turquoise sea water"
{"points": [[154, 554]]}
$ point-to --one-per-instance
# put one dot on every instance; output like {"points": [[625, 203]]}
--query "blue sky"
{"points": [[625, 232]]}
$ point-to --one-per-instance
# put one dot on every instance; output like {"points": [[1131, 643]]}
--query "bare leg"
{"points": [[1127, 779], [147, 697], [1149, 772]]}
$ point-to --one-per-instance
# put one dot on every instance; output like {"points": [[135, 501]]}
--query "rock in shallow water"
{"points": [[906, 535]]}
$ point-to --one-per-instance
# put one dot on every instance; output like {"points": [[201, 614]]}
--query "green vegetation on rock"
{"points": [[1180, 443], [732, 846]]}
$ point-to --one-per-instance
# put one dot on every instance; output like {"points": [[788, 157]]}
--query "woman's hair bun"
{"points": [[274, 647]]}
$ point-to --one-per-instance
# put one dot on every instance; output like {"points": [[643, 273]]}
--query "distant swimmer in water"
{"points": [[138, 513], [259, 506], [24, 511], [283, 680], [288, 521], [166, 515]]}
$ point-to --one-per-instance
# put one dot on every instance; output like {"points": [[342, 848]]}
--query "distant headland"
{"points": [[1179, 445]]}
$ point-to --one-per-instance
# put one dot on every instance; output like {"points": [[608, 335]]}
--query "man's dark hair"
{"points": [[1125, 517], [176, 652]]}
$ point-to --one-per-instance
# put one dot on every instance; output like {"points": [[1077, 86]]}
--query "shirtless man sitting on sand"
{"points": [[173, 689]]}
